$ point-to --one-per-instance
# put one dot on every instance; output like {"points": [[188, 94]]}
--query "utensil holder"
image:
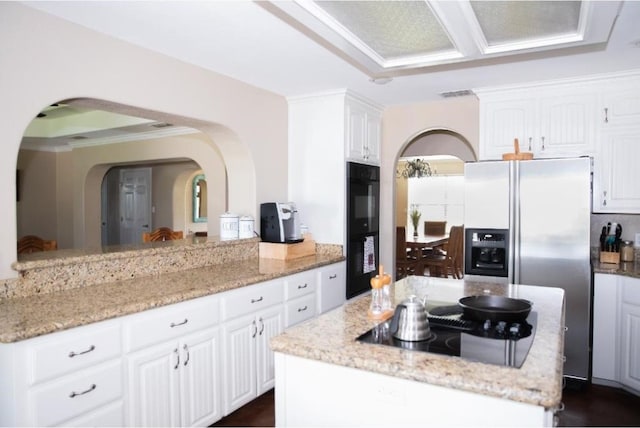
{"points": [[609, 257]]}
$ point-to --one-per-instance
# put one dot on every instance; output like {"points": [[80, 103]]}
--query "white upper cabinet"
{"points": [[549, 122], [363, 132], [616, 172]]}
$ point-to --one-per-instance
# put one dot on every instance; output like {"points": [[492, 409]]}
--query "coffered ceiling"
{"points": [[392, 52]]}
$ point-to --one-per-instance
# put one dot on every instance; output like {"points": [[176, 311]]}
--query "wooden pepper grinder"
{"points": [[380, 307]]}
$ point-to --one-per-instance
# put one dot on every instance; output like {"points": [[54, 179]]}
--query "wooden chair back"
{"points": [[161, 234], [31, 244], [401, 243], [435, 227], [455, 251]]}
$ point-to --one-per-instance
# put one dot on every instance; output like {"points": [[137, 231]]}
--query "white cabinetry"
{"points": [[174, 371], [331, 286], [616, 172], [363, 131], [66, 378], [326, 130], [616, 332], [253, 315], [548, 121], [300, 296]]}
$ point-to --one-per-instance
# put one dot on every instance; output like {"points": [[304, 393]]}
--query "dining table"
{"points": [[417, 242]]}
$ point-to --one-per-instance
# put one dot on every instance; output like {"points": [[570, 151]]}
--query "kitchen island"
{"points": [[325, 377]]}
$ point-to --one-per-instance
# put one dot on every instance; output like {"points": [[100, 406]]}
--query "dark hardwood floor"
{"points": [[590, 406]]}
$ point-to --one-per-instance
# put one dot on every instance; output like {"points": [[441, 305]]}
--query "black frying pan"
{"points": [[494, 308]]}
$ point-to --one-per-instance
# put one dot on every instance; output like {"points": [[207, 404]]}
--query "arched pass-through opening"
{"points": [[214, 147], [429, 170]]}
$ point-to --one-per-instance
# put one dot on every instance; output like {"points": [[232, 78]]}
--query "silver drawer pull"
{"points": [[257, 300], [300, 287], [173, 324], [303, 309], [261, 326], [175, 351], [74, 354], [186, 349], [75, 394], [333, 276]]}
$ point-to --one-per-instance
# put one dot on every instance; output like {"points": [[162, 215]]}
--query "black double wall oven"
{"points": [[363, 222]]}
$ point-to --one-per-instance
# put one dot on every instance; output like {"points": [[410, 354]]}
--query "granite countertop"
{"points": [[25, 317], [331, 338], [631, 269]]}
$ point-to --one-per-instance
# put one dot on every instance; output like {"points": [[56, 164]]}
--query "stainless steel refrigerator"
{"points": [[545, 204]]}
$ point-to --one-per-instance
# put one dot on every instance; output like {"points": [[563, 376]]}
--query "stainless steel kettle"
{"points": [[410, 322]]}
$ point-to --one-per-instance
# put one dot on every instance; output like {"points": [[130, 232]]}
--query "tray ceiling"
{"points": [[387, 36]]}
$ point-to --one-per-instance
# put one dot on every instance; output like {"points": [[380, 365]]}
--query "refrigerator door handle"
{"points": [[514, 222]]}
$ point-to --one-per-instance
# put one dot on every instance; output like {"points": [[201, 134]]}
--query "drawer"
{"points": [[250, 299], [631, 291], [72, 350], [300, 284], [111, 415], [162, 324], [71, 396], [300, 309]]}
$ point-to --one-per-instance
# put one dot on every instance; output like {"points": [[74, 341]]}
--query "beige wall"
{"points": [[45, 60], [402, 124]]}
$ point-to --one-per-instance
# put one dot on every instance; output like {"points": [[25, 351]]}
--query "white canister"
{"points": [[229, 226], [246, 227]]}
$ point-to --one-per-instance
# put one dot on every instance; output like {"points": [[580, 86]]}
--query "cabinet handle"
{"points": [[333, 276], [542, 143], [74, 354], [173, 324], [303, 309], [530, 138], [604, 198], [261, 326], [606, 115], [300, 287], [175, 351], [257, 300], [186, 349], [75, 394], [255, 328]]}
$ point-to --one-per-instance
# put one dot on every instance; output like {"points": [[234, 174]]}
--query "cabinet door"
{"points": [[153, 386], [622, 104], [605, 321], [630, 349], [239, 362], [270, 324], [200, 382], [332, 287], [502, 121], [616, 174], [567, 125], [373, 137], [356, 132]]}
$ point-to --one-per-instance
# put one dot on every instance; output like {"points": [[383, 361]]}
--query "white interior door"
{"points": [[135, 204]]}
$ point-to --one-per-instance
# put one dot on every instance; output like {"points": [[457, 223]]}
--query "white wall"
{"points": [[45, 60]]}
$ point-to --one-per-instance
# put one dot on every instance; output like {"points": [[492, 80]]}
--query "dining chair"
{"points": [[31, 244], [450, 261], [406, 263], [435, 227], [161, 234]]}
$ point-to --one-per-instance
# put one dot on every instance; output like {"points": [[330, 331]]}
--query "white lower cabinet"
{"points": [[616, 331], [176, 383], [68, 378], [332, 288], [248, 360]]}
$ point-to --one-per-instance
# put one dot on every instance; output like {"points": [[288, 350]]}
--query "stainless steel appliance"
{"points": [[279, 222], [545, 206], [363, 210], [487, 252]]}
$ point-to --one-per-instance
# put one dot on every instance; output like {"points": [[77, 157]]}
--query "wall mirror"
{"points": [[199, 199]]}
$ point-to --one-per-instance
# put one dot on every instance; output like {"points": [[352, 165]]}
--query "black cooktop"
{"points": [[500, 343]]}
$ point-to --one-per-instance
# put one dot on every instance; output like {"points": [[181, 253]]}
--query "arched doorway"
{"points": [[429, 178]]}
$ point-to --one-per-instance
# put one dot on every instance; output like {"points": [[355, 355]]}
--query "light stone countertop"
{"points": [[25, 317], [331, 338]]}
